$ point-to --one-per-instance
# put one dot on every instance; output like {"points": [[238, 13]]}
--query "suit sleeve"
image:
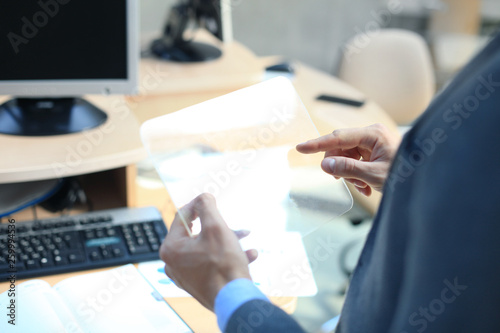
{"points": [[260, 316], [453, 256]]}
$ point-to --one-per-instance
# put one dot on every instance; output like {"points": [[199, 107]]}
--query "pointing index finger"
{"points": [[339, 139]]}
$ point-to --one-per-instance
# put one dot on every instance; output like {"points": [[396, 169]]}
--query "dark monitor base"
{"points": [[48, 116], [185, 52]]}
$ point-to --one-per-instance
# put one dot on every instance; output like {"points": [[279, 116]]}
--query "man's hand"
{"points": [[362, 156], [202, 265]]}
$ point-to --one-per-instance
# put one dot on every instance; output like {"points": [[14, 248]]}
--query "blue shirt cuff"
{"points": [[232, 296]]}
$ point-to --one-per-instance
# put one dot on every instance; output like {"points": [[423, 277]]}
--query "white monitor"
{"points": [[53, 50]]}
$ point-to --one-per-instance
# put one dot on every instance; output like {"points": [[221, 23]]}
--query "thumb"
{"points": [[345, 167], [252, 255]]}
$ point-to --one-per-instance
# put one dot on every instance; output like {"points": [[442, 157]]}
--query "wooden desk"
{"points": [[112, 145], [34, 158]]}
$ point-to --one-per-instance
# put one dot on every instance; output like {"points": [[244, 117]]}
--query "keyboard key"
{"points": [[139, 249], [75, 257], [46, 262], [106, 254], [60, 260], [94, 219], [95, 256], [100, 233], [89, 234], [32, 264], [69, 223], [22, 229], [111, 232], [69, 237], [46, 240], [48, 225], [117, 252]]}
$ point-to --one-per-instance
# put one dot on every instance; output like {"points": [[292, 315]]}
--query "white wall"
{"points": [[153, 14], [310, 31]]}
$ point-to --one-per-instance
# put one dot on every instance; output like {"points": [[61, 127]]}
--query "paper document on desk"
{"points": [[282, 269], [241, 148], [117, 300]]}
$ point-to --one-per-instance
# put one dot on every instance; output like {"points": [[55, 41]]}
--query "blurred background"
{"points": [[315, 32], [322, 34]]}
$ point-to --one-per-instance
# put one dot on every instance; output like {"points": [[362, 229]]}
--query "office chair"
{"points": [[392, 67]]}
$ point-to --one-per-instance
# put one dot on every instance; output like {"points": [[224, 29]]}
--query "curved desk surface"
{"points": [[112, 145]]}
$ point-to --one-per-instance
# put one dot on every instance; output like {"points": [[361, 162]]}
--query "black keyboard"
{"points": [[87, 241]]}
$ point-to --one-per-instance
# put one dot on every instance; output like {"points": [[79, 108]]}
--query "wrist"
{"points": [[232, 296], [222, 281]]}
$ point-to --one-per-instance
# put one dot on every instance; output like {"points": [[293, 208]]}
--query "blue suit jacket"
{"points": [[431, 262]]}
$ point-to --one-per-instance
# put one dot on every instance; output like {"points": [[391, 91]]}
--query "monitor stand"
{"points": [[185, 51], [48, 116], [173, 45]]}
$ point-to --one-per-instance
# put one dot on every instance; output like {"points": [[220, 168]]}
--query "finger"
{"points": [[356, 182], [204, 206], [171, 275], [181, 226], [343, 139], [367, 191], [368, 172], [252, 255], [241, 233], [352, 153]]}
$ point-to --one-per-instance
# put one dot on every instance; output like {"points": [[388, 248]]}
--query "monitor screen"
{"points": [[68, 47]]}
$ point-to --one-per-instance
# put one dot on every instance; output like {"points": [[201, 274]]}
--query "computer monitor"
{"points": [[53, 51], [213, 15]]}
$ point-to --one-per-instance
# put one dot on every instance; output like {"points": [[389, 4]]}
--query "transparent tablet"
{"points": [[241, 148]]}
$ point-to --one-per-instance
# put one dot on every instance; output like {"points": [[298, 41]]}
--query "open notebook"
{"points": [[117, 300]]}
